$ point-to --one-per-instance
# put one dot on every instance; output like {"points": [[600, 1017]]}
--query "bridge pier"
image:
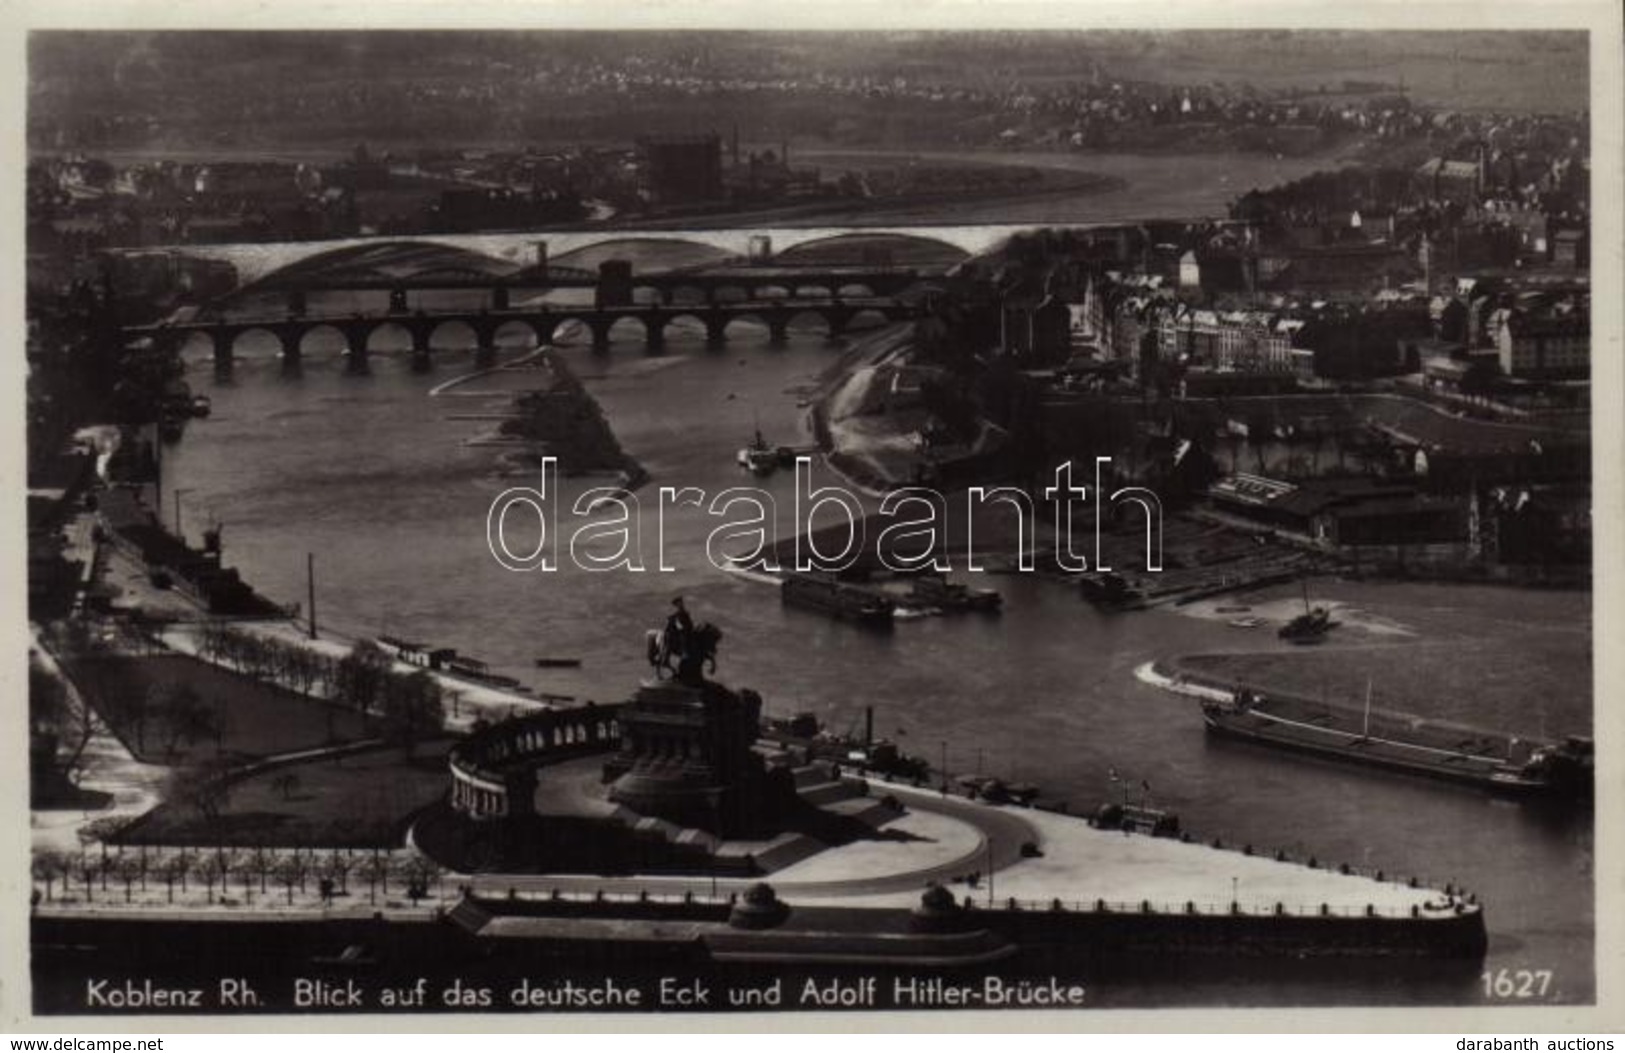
{"points": [[600, 334], [421, 362], [291, 354], [499, 298], [485, 356], [355, 348], [655, 343], [778, 331], [222, 339], [716, 330]]}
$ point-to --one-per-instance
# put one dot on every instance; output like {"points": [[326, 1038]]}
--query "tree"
{"points": [[418, 873], [102, 832], [206, 788], [375, 869], [335, 869], [128, 869], [212, 870], [361, 675], [55, 709], [174, 869], [290, 871], [262, 861], [49, 865], [187, 716], [413, 709]]}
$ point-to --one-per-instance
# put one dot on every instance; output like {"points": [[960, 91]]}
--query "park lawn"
{"points": [[363, 800], [255, 719]]}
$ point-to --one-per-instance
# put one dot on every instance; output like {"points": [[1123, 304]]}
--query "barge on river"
{"points": [[838, 599], [1400, 742]]}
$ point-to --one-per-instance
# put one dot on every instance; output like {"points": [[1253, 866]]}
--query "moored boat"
{"points": [[849, 602], [1309, 627], [1400, 742], [759, 457]]}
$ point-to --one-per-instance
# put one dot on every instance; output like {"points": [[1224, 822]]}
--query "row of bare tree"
{"points": [[409, 706], [328, 872]]}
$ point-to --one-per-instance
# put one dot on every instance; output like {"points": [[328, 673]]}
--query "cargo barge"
{"points": [[824, 594], [1405, 743]]}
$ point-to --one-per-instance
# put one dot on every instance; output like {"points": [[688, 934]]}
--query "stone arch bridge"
{"points": [[544, 322]]}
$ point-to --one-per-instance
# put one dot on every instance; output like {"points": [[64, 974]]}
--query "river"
{"points": [[381, 482]]}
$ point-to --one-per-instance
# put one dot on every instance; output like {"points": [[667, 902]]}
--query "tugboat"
{"points": [[759, 457], [1309, 627]]}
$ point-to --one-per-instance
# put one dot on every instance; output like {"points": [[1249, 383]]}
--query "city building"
{"points": [[1546, 346], [681, 169]]}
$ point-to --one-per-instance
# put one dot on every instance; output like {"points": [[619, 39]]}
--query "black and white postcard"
{"points": [[951, 514]]}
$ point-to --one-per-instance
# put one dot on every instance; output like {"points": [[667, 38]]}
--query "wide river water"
{"points": [[382, 482]]}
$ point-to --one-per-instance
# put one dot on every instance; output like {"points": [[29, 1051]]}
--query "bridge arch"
{"points": [[746, 321], [453, 334], [628, 328], [323, 338], [812, 318], [661, 251], [691, 320], [855, 289], [260, 342], [514, 332], [389, 335], [868, 248], [868, 318]]}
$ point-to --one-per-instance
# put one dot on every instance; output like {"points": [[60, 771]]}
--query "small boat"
{"points": [[759, 457], [477, 671], [1309, 627], [201, 406], [558, 663]]}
